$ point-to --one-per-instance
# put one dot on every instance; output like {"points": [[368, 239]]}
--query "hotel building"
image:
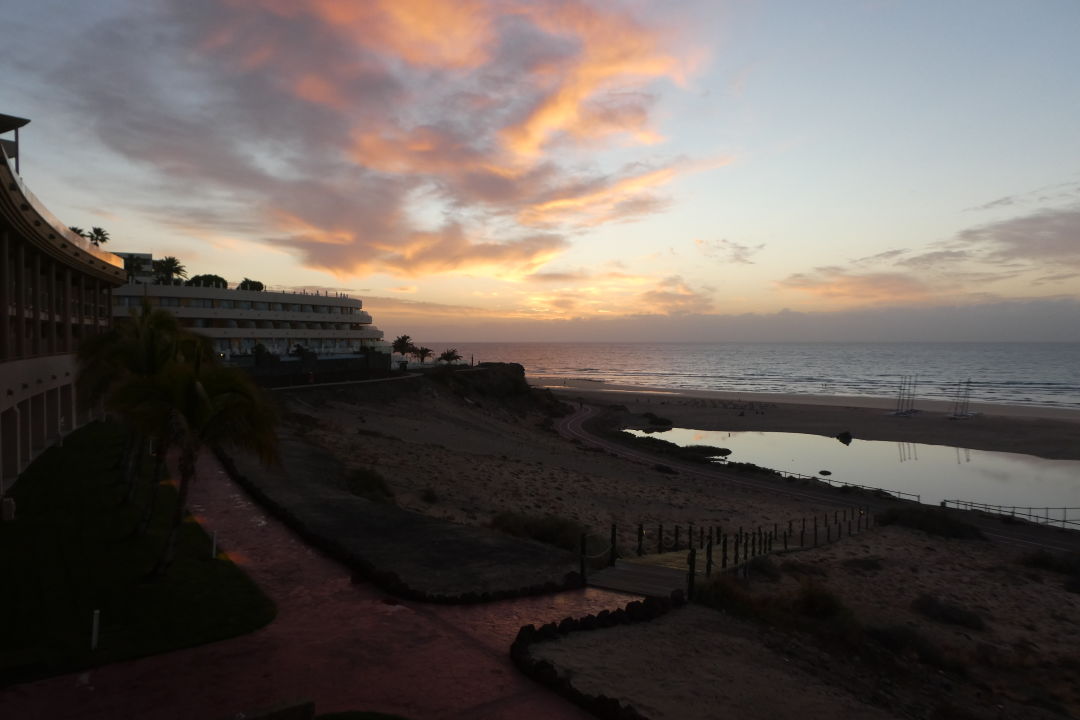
{"points": [[332, 325], [56, 288]]}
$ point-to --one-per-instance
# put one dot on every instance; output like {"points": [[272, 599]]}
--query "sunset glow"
{"points": [[514, 169]]}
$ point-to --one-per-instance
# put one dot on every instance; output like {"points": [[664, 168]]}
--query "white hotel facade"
{"points": [[332, 325]]}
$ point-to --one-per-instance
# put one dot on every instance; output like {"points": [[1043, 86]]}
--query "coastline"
{"points": [[584, 385], [1051, 433]]}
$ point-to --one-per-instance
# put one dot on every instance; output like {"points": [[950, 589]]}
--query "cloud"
{"points": [[1046, 236], [672, 296], [407, 137], [837, 283], [405, 289], [729, 251]]}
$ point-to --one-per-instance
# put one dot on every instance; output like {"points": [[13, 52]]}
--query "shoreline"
{"points": [[585, 385]]}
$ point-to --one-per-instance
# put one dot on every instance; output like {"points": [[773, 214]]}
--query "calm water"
{"points": [[935, 472], [1046, 374]]}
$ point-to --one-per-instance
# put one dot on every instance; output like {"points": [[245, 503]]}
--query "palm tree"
{"points": [[422, 353], [403, 345], [450, 356], [199, 405], [78, 231], [142, 346], [167, 267], [98, 236]]}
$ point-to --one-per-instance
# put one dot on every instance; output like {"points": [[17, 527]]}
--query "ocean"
{"points": [[1044, 374]]}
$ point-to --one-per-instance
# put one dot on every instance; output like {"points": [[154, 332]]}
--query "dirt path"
{"points": [[344, 646]]}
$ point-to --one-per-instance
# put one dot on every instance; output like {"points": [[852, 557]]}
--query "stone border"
{"points": [[546, 674], [362, 570]]}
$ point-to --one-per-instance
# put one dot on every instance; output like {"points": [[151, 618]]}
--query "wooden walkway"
{"points": [[638, 579]]}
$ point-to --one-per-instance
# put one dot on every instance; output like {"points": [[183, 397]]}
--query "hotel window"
{"points": [[224, 304], [243, 305], [261, 306]]}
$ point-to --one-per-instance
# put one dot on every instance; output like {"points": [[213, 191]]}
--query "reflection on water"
{"points": [[936, 472]]}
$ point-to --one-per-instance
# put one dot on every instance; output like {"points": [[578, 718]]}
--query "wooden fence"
{"points": [[1040, 515]]}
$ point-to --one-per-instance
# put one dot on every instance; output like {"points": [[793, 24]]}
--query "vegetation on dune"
{"points": [[939, 610], [656, 446], [369, 484], [931, 520], [550, 530], [72, 551]]}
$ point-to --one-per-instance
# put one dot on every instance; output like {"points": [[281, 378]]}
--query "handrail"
{"points": [[1046, 515], [900, 494]]}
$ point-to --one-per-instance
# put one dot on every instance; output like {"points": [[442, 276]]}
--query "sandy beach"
{"points": [[458, 452], [1043, 431]]}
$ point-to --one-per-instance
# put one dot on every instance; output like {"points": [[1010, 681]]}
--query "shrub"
{"points": [[863, 563], [655, 419], [548, 529], [369, 484], [942, 611], [763, 567], [934, 521], [1064, 563]]}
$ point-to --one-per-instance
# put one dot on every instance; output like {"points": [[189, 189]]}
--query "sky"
{"points": [[569, 170]]}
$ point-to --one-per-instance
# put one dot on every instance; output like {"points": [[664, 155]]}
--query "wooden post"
{"points": [[785, 540], [584, 540], [802, 534], [789, 528], [701, 538], [815, 531], [676, 546], [612, 560], [691, 560], [738, 540], [828, 533], [723, 553], [640, 539], [708, 557], [690, 536], [660, 538], [849, 527]]}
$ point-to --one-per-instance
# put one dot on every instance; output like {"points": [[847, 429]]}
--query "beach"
{"points": [[1049, 432], [470, 453]]}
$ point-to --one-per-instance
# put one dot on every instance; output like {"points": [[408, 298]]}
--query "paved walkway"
{"points": [[344, 646]]}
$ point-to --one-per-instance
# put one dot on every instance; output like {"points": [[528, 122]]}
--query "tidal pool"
{"points": [[935, 472]]}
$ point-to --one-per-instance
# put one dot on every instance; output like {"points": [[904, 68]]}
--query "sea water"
{"points": [[1044, 374]]}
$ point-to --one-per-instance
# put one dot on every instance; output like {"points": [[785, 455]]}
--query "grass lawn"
{"points": [[71, 551]]}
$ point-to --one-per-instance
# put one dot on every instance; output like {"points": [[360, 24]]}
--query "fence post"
{"points": [[785, 540], [723, 553], [690, 536], [708, 557], [612, 561], [802, 534], [828, 533], [583, 550], [849, 527], [676, 546], [815, 531], [691, 560], [660, 538], [640, 539], [701, 538]]}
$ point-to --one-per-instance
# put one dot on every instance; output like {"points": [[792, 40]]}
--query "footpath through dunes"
{"points": [[344, 645]]}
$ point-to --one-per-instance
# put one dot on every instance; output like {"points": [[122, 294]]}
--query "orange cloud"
{"points": [[615, 53], [834, 283]]}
